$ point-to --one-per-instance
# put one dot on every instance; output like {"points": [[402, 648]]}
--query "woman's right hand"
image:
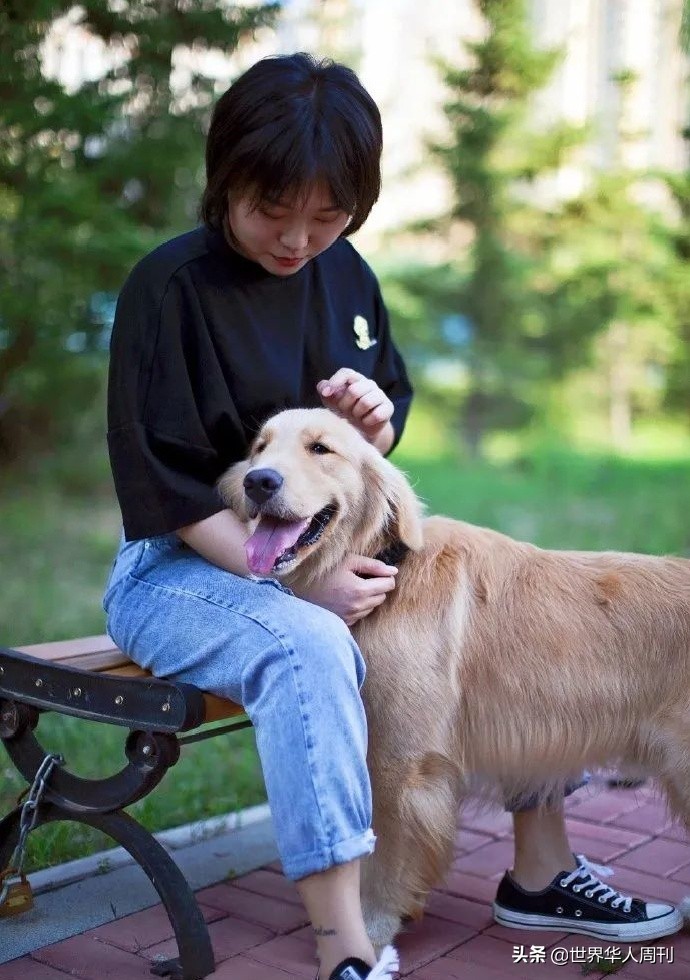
{"points": [[349, 595]]}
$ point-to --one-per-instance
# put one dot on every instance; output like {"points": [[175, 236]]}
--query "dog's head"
{"points": [[314, 490]]}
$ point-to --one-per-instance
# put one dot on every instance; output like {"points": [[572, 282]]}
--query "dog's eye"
{"points": [[319, 449], [260, 448]]}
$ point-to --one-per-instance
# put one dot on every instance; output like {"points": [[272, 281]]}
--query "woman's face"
{"points": [[283, 235]]}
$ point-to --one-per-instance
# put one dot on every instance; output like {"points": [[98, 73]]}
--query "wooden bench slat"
{"points": [[96, 662], [100, 655], [61, 650]]}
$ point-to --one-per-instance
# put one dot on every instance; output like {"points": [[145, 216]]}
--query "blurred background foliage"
{"points": [[548, 337], [547, 315], [90, 180], [569, 313]]}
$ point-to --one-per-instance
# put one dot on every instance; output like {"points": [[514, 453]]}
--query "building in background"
{"points": [[392, 44]]}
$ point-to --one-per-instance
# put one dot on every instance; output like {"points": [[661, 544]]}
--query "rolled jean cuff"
{"points": [[520, 803], [327, 857]]}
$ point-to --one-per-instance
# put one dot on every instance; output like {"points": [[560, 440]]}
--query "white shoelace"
{"points": [[592, 874], [387, 966]]}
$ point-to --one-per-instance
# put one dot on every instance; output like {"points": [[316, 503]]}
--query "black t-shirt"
{"points": [[206, 345]]}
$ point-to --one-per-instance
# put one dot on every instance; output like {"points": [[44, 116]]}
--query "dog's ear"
{"points": [[231, 489], [404, 508]]}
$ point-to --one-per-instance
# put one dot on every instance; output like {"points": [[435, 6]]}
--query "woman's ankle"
{"points": [[332, 901], [536, 873]]}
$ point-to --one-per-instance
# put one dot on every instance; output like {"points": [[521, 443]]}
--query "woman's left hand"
{"points": [[359, 400]]}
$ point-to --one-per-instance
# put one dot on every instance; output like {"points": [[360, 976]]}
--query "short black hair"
{"points": [[288, 121]]}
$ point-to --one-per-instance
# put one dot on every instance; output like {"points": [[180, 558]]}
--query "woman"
{"points": [[265, 306]]}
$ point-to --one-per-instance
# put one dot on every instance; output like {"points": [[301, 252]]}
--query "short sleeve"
{"points": [[165, 467]]}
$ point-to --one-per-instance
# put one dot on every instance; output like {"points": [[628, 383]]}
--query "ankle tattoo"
{"points": [[321, 931]]}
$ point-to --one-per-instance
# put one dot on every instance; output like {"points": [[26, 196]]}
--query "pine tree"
{"points": [[89, 180], [609, 284], [492, 153]]}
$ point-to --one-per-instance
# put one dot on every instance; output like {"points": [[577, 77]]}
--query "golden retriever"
{"points": [[493, 663]]}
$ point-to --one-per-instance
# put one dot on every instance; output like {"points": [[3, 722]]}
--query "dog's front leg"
{"points": [[381, 919], [415, 820]]}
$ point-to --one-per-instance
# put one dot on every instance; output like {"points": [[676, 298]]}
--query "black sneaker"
{"points": [[578, 901], [355, 969]]}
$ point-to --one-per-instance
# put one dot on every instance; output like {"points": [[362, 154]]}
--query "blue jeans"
{"points": [[293, 666]]}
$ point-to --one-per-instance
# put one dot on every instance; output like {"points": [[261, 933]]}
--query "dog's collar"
{"points": [[393, 554]]}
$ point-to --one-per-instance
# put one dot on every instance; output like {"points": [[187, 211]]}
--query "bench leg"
{"points": [[196, 954]]}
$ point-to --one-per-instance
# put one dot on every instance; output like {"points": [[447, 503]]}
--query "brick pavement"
{"points": [[259, 929]]}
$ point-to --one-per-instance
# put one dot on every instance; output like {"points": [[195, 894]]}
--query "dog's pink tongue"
{"points": [[270, 539]]}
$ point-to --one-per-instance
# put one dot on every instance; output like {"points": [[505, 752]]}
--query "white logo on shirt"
{"points": [[361, 329]]}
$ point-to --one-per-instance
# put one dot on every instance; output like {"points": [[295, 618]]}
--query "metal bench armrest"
{"points": [[147, 704]]}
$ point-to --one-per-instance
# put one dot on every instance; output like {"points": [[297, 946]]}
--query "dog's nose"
{"points": [[261, 485]]}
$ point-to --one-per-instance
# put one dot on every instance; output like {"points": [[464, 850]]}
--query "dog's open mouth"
{"points": [[275, 541]]}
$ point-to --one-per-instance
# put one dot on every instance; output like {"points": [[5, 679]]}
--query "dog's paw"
{"points": [[382, 927]]}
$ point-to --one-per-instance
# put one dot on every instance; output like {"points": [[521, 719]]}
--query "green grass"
{"points": [[565, 500], [56, 548], [55, 551], [55, 554], [219, 776]]}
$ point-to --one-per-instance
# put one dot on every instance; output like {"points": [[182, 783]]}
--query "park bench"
{"points": [[91, 678]]}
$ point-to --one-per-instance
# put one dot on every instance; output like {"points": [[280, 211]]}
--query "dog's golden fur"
{"points": [[493, 663]]}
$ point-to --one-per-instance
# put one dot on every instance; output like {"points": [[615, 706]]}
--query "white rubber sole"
{"points": [[664, 925]]}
